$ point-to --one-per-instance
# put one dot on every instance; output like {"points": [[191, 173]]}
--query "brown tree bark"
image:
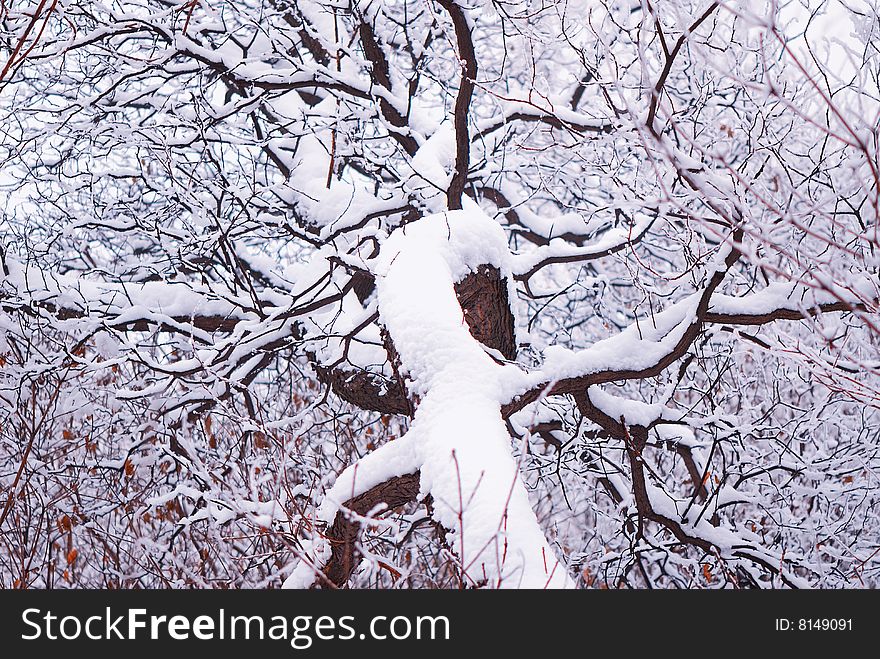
{"points": [[343, 533], [486, 309]]}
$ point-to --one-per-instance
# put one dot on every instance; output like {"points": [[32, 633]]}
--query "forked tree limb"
{"points": [[485, 307], [572, 385]]}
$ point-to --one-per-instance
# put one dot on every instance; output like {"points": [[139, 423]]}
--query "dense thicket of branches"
{"points": [[625, 250]]}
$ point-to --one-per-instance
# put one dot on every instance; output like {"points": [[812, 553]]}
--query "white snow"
{"points": [[793, 296], [458, 438]]}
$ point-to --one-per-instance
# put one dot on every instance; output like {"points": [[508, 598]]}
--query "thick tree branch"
{"points": [[343, 533], [781, 314], [572, 385], [366, 390], [486, 307]]}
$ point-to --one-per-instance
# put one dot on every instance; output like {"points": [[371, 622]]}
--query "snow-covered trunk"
{"points": [[458, 439]]}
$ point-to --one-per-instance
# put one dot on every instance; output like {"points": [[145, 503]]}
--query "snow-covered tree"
{"points": [[439, 293]]}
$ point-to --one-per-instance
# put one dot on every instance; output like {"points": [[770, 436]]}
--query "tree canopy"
{"points": [[439, 293]]}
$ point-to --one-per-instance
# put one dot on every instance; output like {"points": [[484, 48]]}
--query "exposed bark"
{"points": [[486, 306], [635, 438], [379, 61], [468, 59], [364, 284], [344, 531], [366, 390]]}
